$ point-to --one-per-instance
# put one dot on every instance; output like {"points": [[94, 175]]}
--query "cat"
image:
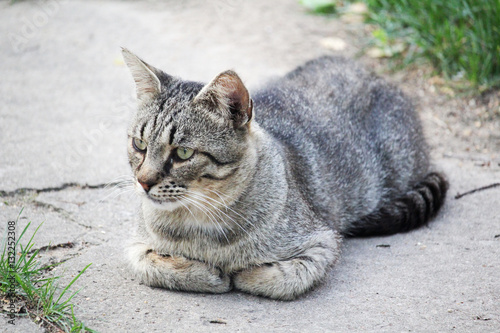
{"points": [[257, 193]]}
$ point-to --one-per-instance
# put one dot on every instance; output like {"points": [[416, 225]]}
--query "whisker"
{"points": [[220, 197], [231, 209], [120, 182], [117, 183], [206, 211], [201, 197], [226, 207], [122, 177], [185, 206], [116, 192], [200, 206]]}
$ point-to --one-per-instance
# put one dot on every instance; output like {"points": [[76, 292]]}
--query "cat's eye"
{"points": [[139, 145], [184, 153]]}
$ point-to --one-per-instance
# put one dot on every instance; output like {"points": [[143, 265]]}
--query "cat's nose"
{"points": [[146, 185]]}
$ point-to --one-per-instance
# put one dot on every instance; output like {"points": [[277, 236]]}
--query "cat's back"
{"points": [[349, 132], [332, 102], [323, 90]]}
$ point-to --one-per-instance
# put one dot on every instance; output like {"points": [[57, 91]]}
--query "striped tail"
{"points": [[407, 212]]}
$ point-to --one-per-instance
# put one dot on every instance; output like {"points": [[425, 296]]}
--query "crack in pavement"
{"points": [[51, 264], [51, 207], [24, 190], [73, 249], [61, 211], [66, 245], [47, 248]]}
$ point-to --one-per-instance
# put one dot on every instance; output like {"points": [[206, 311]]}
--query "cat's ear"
{"points": [[147, 83], [228, 94]]}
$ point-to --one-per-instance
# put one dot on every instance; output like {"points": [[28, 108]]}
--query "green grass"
{"points": [[320, 6], [45, 300], [460, 38]]}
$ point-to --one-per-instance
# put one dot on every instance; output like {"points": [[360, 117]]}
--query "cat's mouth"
{"points": [[168, 204], [161, 200]]}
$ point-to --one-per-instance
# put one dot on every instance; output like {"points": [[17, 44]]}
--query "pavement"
{"points": [[66, 99]]}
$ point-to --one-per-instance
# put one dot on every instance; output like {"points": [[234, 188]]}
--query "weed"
{"points": [[320, 6], [461, 38], [22, 279]]}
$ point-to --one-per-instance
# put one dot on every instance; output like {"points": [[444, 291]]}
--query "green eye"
{"points": [[139, 145], [184, 153]]}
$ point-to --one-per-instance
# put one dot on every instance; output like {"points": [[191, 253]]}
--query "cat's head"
{"points": [[188, 143]]}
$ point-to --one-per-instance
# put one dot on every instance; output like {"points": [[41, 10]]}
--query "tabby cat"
{"points": [[256, 193]]}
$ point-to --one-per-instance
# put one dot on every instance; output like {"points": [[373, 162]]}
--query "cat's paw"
{"points": [[266, 280], [179, 273], [213, 279], [222, 282]]}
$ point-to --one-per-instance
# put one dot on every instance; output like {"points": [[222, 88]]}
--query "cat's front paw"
{"points": [[266, 280], [173, 272], [215, 279]]}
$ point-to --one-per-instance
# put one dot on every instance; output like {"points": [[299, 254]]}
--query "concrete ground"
{"points": [[66, 98]]}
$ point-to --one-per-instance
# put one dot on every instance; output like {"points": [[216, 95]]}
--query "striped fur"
{"points": [[412, 210], [275, 179]]}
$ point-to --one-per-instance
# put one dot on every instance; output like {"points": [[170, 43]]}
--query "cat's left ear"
{"points": [[147, 83], [227, 94]]}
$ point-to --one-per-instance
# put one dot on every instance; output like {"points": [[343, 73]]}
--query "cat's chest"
{"points": [[229, 252]]}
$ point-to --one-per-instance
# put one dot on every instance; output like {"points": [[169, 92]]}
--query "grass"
{"points": [[320, 6], [460, 38], [23, 280]]}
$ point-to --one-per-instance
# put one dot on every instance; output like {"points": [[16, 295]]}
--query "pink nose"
{"points": [[146, 185]]}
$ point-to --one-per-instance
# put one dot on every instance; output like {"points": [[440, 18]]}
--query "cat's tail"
{"points": [[407, 212]]}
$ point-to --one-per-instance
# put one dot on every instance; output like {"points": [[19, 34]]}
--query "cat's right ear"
{"points": [[227, 92], [147, 83]]}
